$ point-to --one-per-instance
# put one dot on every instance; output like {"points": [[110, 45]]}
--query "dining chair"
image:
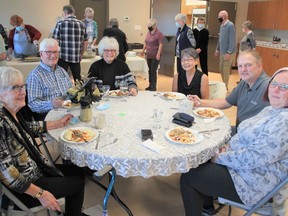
{"points": [[265, 206], [217, 89]]}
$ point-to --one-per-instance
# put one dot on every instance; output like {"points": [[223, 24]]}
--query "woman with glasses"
{"points": [[23, 169], [253, 162], [192, 81], [111, 71]]}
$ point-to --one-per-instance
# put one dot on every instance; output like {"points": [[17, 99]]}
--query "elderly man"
{"points": [[48, 81], [248, 95], [73, 41], [226, 46]]}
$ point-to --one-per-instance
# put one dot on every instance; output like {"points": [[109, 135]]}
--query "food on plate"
{"points": [[67, 104], [118, 93], [170, 95], [77, 135], [211, 113], [181, 135]]}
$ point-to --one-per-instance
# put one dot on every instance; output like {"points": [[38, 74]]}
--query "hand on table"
{"points": [[196, 100], [57, 103], [133, 91]]}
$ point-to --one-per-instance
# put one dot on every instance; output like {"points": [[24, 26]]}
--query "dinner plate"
{"points": [[94, 134], [177, 139], [208, 112], [172, 95], [67, 104], [113, 94]]}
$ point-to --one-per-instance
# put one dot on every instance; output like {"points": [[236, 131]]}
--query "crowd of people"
{"points": [[250, 165]]}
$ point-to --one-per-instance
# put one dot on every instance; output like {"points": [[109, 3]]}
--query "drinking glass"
{"points": [[105, 91], [100, 121], [157, 118], [124, 89]]}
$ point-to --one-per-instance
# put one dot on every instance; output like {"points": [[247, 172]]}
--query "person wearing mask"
{"points": [[248, 41], [201, 35], [226, 46], [3, 55], [72, 38], [120, 36], [253, 162], [184, 38], [152, 49], [91, 28], [23, 38]]}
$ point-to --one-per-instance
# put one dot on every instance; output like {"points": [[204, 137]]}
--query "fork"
{"points": [[97, 142]]}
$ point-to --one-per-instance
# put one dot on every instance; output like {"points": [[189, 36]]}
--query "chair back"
{"points": [[217, 90]]}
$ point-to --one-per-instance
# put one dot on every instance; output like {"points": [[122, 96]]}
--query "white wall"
{"points": [[138, 12], [39, 13]]}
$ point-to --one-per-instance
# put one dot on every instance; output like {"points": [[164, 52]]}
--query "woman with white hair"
{"points": [[184, 38], [91, 27], [248, 41], [112, 71]]}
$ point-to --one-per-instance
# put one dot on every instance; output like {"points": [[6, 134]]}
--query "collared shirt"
{"points": [[152, 41], [71, 33], [249, 101], [44, 85]]}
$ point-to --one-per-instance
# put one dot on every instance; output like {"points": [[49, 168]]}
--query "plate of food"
{"points": [[172, 95], [181, 135], [117, 93], [79, 135], [207, 112], [67, 104]]}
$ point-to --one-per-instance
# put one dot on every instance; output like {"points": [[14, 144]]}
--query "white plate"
{"points": [[172, 95], [111, 95], [195, 111], [198, 136], [92, 130], [72, 105]]}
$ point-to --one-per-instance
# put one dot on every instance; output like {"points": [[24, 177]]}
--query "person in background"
{"points": [[91, 28], [114, 31], [248, 41], [72, 38], [112, 71], [48, 82], [184, 38], [193, 81], [226, 46], [152, 49], [24, 170], [23, 38], [248, 94], [3, 55], [201, 35], [253, 162], [4, 35]]}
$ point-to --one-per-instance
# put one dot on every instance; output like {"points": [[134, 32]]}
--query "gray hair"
{"points": [[68, 9], [189, 52], [46, 42], [182, 17], [8, 76], [252, 53], [114, 22], [247, 24], [90, 10], [152, 22], [108, 43]]}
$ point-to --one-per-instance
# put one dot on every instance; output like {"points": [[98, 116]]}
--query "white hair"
{"points": [[108, 43]]}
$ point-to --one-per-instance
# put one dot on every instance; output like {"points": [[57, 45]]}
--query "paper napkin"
{"points": [[209, 120], [153, 145]]}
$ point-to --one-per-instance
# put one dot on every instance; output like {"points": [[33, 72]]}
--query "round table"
{"points": [[128, 156]]}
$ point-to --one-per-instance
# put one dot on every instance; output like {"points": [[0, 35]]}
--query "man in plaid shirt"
{"points": [[73, 41]]}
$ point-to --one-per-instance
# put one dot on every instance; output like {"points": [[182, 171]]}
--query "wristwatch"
{"points": [[38, 194]]}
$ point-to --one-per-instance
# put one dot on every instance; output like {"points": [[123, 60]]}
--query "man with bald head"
{"points": [[226, 46]]}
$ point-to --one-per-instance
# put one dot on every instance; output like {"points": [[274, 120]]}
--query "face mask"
{"points": [[200, 26], [19, 28], [220, 19], [177, 25], [88, 19], [150, 28]]}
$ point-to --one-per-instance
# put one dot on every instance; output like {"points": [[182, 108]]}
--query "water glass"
{"points": [[105, 91], [186, 106], [157, 118], [124, 90], [100, 121]]}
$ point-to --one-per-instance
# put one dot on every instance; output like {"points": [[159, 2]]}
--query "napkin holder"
{"points": [[183, 119]]}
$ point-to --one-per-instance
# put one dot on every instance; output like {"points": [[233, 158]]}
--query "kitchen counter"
{"points": [[268, 44]]}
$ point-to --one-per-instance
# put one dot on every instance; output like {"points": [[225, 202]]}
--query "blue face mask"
{"points": [[200, 26], [19, 28], [88, 19], [177, 25]]}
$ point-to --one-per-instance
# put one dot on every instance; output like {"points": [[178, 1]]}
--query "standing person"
{"points": [[3, 55], [91, 28], [23, 38], [248, 41], [226, 46], [201, 35], [73, 41], [120, 36], [184, 38], [153, 48], [4, 34]]}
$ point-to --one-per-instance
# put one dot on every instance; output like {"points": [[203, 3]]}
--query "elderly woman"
{"points": [[184, 38], [193, 81], [248, 41], [23, 169], [91, 27], [23, 39], [254, 161], [111, 71], [153, 48]]}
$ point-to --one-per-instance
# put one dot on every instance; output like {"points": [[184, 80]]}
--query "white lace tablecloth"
{"points": [[127, 155]]}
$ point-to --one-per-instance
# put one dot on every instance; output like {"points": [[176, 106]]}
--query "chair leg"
{"points": [[230, 211]]}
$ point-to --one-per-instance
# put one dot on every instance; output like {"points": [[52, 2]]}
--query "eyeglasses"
{"points": [[48, 52], [281, 87], [18, 88], [109, 50], [187, 60]]}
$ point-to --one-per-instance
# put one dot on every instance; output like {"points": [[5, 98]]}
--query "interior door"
{"points": [[213, 25], [100, 8]]}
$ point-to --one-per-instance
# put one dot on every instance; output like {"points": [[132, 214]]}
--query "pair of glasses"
{"points": [[281, 87], [18, 88], [187, 60], [51, 52], [109, 50]]}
